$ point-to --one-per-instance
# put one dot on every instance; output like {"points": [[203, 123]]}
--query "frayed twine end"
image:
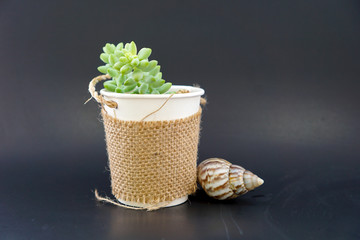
{"points": [[108, 200]]}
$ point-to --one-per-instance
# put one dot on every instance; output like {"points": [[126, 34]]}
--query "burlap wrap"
{"points": [[152, 161]]}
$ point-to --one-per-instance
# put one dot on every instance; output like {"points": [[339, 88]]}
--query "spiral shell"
{"points": [[223, 180]]}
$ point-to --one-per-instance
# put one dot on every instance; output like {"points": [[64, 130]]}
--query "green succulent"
{"points": [[131, 71]]}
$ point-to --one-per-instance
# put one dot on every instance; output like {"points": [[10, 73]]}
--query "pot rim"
{"points": [[194, 92]]}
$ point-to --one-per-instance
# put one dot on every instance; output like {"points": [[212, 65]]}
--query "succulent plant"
{"points": [[131, 71]]}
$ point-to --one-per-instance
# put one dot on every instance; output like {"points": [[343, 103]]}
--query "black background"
{"points": [[282, 82]]}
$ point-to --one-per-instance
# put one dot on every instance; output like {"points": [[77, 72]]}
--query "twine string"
{"points": [[94, 94], [158, 108], [202, 102], [149, 208]]}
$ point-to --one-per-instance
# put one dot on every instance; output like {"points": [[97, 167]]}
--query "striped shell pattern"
{"points": [[223, 180]]}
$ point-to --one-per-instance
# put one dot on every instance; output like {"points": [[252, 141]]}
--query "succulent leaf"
{"points": [[129, 88], [109, 48], [125, 69], [164, 88], [112, 72], [120, 46], [144, 53], [104, 57], [118, 65], [135, 91], [143, 64], [154, 91], [117, 80], [133, 48], [110, 85], [112, 59], [157, 83], [143, 88], [130, 82], [151, 65], [123, 60], [158, 76], [103, 69], [118, 53], [149, 79], [119, 90], [155, 70], [138, 74], [122, 79], [135, 62], [126, 51]]}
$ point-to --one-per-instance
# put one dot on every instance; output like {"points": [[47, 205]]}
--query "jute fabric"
{"points": [[152, 161]]}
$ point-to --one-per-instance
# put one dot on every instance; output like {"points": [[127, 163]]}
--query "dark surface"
{"points": [[50, 199], [282, 80]]}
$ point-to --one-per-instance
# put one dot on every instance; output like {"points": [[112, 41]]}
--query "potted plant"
{"points": [[151, 127]]}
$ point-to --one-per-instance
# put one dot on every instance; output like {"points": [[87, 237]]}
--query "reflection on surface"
{"points": [[201, 218], [159, 224]]}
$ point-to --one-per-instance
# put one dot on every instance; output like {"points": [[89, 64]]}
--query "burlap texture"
{"points": [[152, 161]]}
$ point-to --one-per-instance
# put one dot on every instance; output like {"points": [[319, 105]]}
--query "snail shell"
{"points": [[223, 180]]}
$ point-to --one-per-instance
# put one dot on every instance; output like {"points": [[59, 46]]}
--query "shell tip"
{"points": [[260, 181]]}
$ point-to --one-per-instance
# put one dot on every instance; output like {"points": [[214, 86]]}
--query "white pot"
{"points": [[136, 106]]}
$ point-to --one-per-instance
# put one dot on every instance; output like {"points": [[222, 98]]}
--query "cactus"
{"points": [[131, 71]]}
